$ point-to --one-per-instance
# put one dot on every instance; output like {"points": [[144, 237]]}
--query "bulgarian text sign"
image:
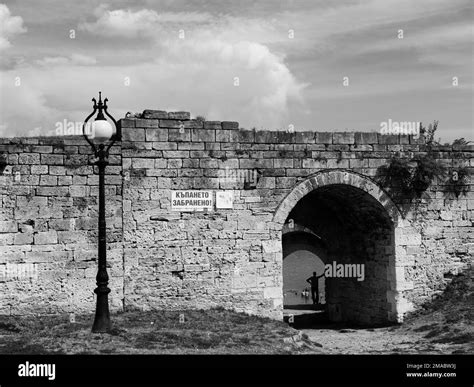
{"points": [[192, 201]]}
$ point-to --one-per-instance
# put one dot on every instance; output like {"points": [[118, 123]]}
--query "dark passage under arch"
{"points": [[351, 230]]}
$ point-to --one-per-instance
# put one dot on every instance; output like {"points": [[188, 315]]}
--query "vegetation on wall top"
{"points": [[408, 178]]}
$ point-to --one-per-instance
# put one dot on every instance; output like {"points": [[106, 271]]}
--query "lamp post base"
{"points": [[102, 316]]}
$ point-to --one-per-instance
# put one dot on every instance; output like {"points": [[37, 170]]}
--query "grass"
{"points": [[213, 331], [448, 319]]}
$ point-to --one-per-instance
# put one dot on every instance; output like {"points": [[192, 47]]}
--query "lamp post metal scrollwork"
{"points": [[102, 132]]}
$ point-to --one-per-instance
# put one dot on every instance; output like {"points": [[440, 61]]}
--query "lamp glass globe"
{"points": [[102, 130]]}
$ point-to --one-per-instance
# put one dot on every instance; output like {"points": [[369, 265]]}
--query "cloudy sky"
{"points": [[266, 64]]}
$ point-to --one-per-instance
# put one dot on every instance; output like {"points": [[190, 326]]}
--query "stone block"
{"points": [[366, 138], [407, 237], [336, 163], [48, 180], [362, 148], [284, 137], [57, 170], [52, 159], [285, 182], [46, 238], [265, 136], [133, 134], [61, 224], [172, 124], [314, 163], [77, 190], [52, 191], [376, 163], [29, 158], [154, 114], [156, 134], [179, 116], [305, 137], [146, 123], [193, 124], [271, 246], [323, 137], [343, 138], [23, 238], [358, 163], [390, 139], [8, 226], [283, 163], [179, 135], [255, 163], [164, 145], [176, 154], [174, 163], [223, 135], [203, 135], [244, 282], [208, 163], [143, 163], [267, 182], [126, 123], [230, 125], [191, 146], [244, 136], [42, 149], [39, 169], [212, 125]]}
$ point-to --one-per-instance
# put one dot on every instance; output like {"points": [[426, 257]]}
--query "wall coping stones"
{"points": [[156, 114], [176, 120]]}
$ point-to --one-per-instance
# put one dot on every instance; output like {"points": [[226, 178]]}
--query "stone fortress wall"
{"points": [[231, 257]]}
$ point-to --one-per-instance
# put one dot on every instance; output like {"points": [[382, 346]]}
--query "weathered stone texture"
{"points": [[44, 221], [230, 257]]}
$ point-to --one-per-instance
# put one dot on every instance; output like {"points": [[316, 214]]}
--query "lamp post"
{"points": [[105, 135]]}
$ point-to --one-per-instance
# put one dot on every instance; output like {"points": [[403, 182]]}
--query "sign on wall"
{"points": [[224, 199], [191, 200]]}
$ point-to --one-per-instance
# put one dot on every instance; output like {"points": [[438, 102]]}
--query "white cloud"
{"points": [[9, 26], [126, 23], [25, 111], [74, 59], [195, 74]]}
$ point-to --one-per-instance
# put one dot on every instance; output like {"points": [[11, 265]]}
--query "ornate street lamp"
{"points": [[101, 137]]}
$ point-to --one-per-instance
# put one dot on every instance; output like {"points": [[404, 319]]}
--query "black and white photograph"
{"points": [[248, 191]]}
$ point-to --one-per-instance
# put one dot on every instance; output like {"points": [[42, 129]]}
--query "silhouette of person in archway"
{"points": [[314, 281]]}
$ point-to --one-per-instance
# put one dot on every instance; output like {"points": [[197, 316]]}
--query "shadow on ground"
{"points": [[210, 331], [315, 317]]}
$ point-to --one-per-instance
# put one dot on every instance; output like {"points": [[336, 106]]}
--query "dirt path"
{"points": [[431, 333], [376, 341]]}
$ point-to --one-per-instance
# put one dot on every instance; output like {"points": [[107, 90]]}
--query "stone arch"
{"points": [[404, 235], [330, 177]]}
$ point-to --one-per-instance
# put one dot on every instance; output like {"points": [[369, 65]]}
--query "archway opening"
{"points": [[303, 254], [352, 233]]}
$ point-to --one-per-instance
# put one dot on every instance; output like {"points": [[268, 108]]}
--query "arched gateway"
{"points": [[230, 253], [364, 238]]}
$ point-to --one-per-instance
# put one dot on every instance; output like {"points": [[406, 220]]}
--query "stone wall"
{"points": [[230, 257], [48, 226]]}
